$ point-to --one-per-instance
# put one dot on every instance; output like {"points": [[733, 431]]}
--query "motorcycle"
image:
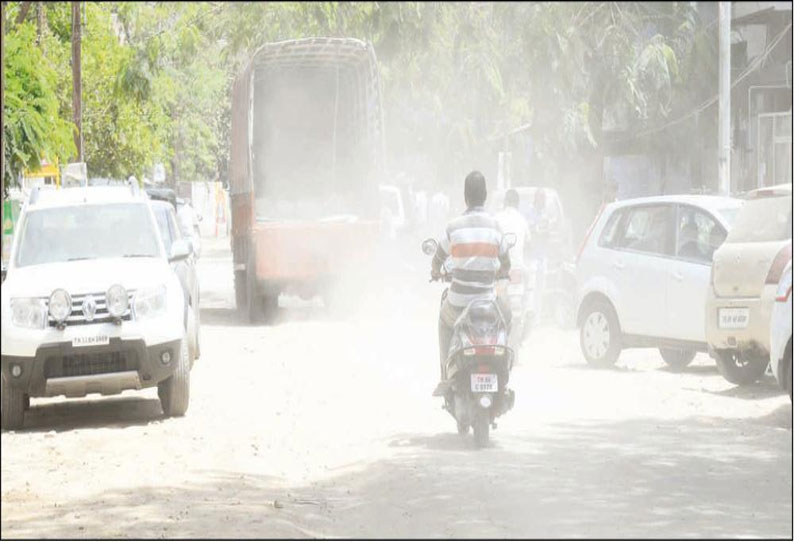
{"points": [[514, 288], [478, 364]]}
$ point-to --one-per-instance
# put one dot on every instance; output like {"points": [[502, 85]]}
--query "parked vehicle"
{"points": [[185, 269], [642, 275], [780, 333], [479, 363], [743, 285], [306, 156], [90, 303], [188, 220]]}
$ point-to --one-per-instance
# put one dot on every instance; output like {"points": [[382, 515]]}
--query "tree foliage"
{"points": [[456, 76]]}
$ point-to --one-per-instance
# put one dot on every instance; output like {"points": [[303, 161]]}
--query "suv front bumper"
{"points": [[61, 369]]}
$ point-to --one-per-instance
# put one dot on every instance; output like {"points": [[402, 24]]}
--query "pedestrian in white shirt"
{"points": [[511, 220]]}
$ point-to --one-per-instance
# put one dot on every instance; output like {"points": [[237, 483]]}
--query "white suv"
{"points": [[90, 303], [643, 273]]}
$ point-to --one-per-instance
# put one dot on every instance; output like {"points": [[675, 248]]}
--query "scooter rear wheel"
{"points": [[481, 426]]}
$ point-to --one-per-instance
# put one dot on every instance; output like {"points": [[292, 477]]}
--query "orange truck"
{"points": [[305, 165]]}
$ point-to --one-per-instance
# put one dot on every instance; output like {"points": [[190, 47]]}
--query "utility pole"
{"points": [[77, 87], [724, 144]]}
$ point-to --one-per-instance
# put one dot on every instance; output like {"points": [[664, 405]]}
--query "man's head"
{"points": [[511, 199], [474, 189]]}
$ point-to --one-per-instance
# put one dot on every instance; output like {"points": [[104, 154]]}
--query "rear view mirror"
{"points": [[429, 246]]}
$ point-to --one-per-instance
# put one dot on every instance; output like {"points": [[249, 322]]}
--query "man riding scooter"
{"points": [[473, 244]]}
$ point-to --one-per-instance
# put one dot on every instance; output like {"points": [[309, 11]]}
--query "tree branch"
{"points": [[23, 12]]}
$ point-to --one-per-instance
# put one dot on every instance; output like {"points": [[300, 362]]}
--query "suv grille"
{"points": [[89, 364], [77, 318]]}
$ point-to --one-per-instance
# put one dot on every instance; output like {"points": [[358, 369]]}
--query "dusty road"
{"points": [[323, 428]]}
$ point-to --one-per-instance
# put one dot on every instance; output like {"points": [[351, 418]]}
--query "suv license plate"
{"points": [[484, 383], [93, 340], [734, 318]]}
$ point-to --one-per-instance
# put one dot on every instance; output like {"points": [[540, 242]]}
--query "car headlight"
{"points": [[117, 301], [60, 305], [30, 312], [149, 302]]}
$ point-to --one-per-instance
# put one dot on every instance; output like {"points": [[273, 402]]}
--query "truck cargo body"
{"points": [[306, 155]]}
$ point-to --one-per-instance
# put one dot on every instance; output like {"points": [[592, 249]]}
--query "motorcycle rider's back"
{"points": [[472, 243]]}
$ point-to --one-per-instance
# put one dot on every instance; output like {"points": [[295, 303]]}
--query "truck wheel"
{"points": [[253, 300], [599, 335], [12, 404], [677, 358], [738, 368], [240, 293], [269, 307], [174, 392]]}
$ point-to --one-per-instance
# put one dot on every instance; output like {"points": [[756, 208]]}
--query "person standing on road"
{"points": [[511, 220], [540, 225], [473, 245]]}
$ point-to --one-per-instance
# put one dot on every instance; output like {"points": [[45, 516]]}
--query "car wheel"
{"points": [[739, 368], [677, 358], [174, 392], [12, 405], [599, 335]]}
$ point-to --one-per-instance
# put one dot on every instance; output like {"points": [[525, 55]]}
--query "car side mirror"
{"points": [[180, 250], [429, 246], [509, 240]]}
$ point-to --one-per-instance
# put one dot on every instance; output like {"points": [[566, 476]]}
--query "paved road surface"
{"points": [[318, 427]]}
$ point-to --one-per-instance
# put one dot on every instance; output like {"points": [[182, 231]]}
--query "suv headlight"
{"points": [[30, 312], [117, 301], [149, 302], [60, 305]]}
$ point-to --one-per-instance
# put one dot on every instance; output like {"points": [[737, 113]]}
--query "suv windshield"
{"points": [[765, 219], [87, 232]]}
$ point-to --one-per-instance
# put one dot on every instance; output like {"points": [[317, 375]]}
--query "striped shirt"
{"points": [[473, 244]]}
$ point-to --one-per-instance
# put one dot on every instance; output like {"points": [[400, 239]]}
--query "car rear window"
{"points": [[764, 219]]}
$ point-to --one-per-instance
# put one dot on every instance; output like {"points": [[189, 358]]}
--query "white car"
{"points": [[642, 275], [780, 333], [90, 303], [744, 279]]}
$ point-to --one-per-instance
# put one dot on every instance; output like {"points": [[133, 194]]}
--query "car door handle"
{"points": [[677, 275], [619, 265]]}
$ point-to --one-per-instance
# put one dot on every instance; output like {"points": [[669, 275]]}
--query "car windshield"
{"points": [[87, 232], [764, 219]]}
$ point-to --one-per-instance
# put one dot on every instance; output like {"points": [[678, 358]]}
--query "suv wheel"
{"points": [[174, 392], [12, 405], [677, 358], [738, 368], [599, 335]]}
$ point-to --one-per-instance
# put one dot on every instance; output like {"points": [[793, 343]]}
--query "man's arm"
{"points": [[441, 255]]}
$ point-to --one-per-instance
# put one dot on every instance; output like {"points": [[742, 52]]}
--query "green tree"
{"points": [[33, 128]]}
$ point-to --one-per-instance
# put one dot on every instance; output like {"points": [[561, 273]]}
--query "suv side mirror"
{"points": [[180, 250]]}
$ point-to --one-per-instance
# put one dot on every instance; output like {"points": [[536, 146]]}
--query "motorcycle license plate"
{"points": [[484, 383]]}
